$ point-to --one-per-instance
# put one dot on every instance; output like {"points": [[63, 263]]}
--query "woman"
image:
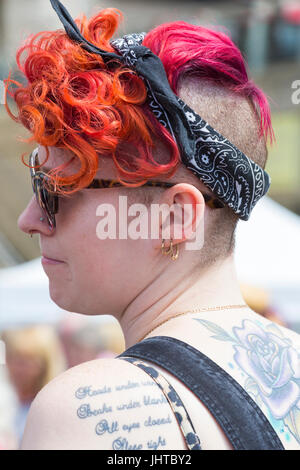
{"points": [[34, 357], [84, 341], [8, 405], [105, 111]]}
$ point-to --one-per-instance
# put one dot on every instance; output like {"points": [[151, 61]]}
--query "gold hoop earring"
{"points": [[170, 250], [163, 250], [174, 256]]}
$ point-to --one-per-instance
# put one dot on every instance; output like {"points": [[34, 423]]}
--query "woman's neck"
{"points": [[169, 294]]}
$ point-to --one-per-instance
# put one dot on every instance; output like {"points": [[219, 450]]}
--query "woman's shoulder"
{"points": [[262, 357], [112, 404], [222, 337], [102, 404]]}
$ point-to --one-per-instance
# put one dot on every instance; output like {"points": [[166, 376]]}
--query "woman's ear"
{"points": [[185, 212]]}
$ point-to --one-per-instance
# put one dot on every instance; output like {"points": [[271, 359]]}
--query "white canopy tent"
{"points": [[267, 255], [268, 246], [24, 297]]}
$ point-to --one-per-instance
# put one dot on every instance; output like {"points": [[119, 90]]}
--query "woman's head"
{"points": [[34, 357], [91, 120]]}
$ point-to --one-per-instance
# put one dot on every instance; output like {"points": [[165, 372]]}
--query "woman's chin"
{"points": [[66, 301], [77, 299], [61, 298]]}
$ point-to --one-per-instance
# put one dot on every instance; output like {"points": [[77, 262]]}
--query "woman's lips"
{"points": [[46, 260]]}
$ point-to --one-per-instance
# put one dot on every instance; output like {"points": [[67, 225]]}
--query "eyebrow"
{"points": [[44, 169], [41, 168]]}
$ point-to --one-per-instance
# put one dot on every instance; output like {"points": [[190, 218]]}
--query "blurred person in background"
{"points": [[259, 300], [33, 358], [8, 407], [83, 341], [202, 370]]}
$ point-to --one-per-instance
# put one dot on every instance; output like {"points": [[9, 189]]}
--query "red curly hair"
{"points": [[75, 101]]}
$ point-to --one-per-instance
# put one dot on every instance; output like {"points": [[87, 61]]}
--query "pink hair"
{"points": [[186, 49]]}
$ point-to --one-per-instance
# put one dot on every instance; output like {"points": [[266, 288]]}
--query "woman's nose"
{"points": [[33, 219]]}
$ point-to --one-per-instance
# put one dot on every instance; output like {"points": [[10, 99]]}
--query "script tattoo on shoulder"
{"points": [[272, 366], [119, 419]]}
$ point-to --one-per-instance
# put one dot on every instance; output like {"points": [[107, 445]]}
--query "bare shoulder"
{"points": [[101, 404], [277, 329]]}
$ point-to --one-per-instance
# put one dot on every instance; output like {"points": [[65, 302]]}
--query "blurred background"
{"points": [[41, 340]]}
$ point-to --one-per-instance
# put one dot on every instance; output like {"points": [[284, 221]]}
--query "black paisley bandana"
{"points": [[232, 176]]}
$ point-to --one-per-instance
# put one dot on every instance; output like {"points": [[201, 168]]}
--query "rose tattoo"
{"points": [[272, 365]]}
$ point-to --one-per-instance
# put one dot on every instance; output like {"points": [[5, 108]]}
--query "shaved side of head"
{"points": [[236, 118]]}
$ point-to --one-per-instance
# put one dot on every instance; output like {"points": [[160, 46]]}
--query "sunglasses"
{"points": [[48, 199]]}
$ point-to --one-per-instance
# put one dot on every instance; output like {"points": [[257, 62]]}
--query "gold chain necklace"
{"points": [[204, 309]]}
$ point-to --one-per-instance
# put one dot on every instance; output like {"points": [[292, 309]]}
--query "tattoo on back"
{"points": [[123, 425], [271, 365]]}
